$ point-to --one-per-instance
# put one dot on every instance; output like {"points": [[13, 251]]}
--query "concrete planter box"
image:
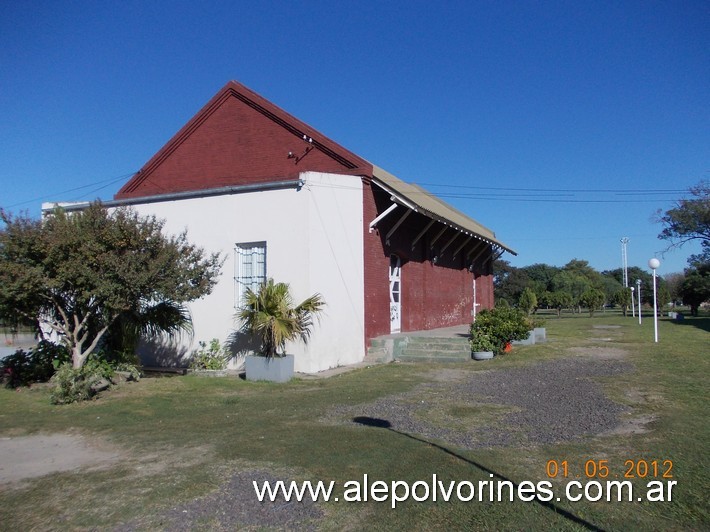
{"points": [[530, 340], [209, 372], [482, 355], [540, 335], [278, 369]]}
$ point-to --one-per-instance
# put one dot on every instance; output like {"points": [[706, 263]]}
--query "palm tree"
{"points": [[149, 320], [269, 314]]}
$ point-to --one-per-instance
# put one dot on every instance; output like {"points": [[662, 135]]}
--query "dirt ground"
{"points": [[34, 456]]}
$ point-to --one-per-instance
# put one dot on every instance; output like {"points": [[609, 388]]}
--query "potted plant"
{"points": [[482, 347], [270, 315]]}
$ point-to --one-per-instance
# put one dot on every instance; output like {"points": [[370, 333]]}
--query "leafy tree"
{"points": [[527, 301], [696, 287], [622, 297], [610, 287], [78, 274], [540, 276], [674, 282], [592, 299], [542, 273], [572, 283], [508, 281], [583, 269], [663, 297], [688, 221], [559, 300], [636, 273]]}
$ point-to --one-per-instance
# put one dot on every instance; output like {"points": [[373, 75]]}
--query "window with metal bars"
{"points": [[249, 269]]}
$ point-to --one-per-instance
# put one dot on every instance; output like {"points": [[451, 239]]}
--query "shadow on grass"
{"points": [[384, 424], [700, 323]]}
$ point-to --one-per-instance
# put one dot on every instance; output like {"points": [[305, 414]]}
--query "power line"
{"points": [[573, 190], [104, 183]]}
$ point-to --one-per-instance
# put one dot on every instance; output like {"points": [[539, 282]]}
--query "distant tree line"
{"points": [[577, 285], [574, 286]]}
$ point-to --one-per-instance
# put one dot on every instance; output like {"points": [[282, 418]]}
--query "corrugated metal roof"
{"points": [[429, 205]]}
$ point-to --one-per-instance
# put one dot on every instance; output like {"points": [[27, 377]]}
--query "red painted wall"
{"points": [[377, 309], [433, 295]]}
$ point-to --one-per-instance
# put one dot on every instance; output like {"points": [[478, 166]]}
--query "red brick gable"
{"points": [[239, 138]]}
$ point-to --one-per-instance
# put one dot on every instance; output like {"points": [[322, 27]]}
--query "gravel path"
{"points": [[542, 403], [548, 402]]}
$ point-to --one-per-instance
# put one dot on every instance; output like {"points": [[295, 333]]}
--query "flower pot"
{"points": [[277, 369], [482, 355]]}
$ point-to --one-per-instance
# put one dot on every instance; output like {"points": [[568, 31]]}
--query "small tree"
{"points": [[560, 300], [271, 316], [623, 299], [78, 273], [592, 299], [528, 301], [663, 297]]}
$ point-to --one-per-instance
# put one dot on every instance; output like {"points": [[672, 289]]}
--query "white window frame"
{"points": [[249, 268]]}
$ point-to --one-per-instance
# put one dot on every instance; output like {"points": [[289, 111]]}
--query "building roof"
{"points": [[424, 202], [240, 139]]}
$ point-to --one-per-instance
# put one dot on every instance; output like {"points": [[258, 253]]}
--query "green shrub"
{"points": [[38, 364], [482, 343], [592, 299], [535, 322], [72, 385], [499, 326], [133, 370], [527, 301], [212, 357]]}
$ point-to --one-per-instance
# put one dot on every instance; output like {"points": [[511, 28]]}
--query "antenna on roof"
{"points": [[306, 139]]}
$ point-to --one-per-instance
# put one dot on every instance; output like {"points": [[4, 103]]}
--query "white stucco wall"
{"points": [[314, 242]]}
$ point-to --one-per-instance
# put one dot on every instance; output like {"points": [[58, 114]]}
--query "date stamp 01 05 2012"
{"points": [[601, 469]]}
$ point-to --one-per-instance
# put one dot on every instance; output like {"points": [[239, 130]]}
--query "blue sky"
{"points": [[563, 126]]}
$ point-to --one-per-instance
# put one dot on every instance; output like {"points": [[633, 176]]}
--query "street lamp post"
{"points": [[638, 296], [633, 304], [654, 264]]}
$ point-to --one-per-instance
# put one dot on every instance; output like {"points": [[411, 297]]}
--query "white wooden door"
{"points": [[395, 294]]}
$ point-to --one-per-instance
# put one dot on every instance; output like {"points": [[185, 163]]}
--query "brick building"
{"points": [[279, 199]]}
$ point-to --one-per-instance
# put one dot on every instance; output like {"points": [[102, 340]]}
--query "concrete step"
{"points": [[438, 341], [415, 356], [425, 349], [420, 350], [439, 347], [377, 355]]}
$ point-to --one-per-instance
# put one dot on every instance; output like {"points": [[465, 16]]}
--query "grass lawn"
{"points": [[184, 437]]}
